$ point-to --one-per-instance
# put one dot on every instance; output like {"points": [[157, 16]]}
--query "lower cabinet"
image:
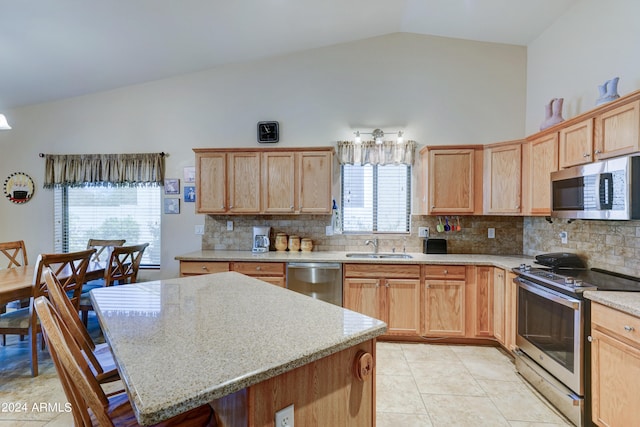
{"points": [[271, 272], [499, 302], [510, 311], [390, 293], [444, 304], [615, 367]]}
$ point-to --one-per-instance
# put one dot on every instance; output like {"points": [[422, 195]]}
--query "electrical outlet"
{"points": [[199, 230], [423, 231], [563, 237], [284, 417], [229, 225], [328, 230], [491, 233]]}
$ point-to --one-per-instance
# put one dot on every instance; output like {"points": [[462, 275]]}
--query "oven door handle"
{"points": [[565, 300]]}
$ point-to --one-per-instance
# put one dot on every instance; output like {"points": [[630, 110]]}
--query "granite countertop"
{"points": [[502, 261], [629, 302], [180, 343]]}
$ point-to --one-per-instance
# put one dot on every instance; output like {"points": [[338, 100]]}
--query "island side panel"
{"points": [[324, 393]]}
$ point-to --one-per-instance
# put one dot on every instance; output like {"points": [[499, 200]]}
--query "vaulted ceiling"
{"points": [[63, 48]]}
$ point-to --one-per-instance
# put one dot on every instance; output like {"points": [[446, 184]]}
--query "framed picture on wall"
{"points": [[189, 193], [171, 186], [190, 174], [172, 206]]}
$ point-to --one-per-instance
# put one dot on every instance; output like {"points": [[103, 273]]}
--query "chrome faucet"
{"points": [[373, 242]]}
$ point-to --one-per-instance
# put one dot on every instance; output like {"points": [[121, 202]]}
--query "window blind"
{"points": [[109, 212], [376, 198]]}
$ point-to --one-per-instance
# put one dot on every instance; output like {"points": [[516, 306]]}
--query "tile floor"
{"points": [[417, 385]]}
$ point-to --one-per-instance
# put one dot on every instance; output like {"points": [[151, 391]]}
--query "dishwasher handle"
{"points": [[323, 265]]}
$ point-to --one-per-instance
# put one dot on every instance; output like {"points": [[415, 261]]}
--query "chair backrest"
{"points": [[69, 315], [69, 268], [103, 248], [79, 384], [124, 264], [15, 252]]}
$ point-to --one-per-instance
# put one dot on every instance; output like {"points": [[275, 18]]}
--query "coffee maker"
{"points": [[261, 239]]}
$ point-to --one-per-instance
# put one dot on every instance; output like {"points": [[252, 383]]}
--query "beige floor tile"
{"points": [[398, 394], [385, 419], [534, 424], [445, 377], [517, 402], [462, 411], [392, 365], [422, 352], [492, 370]]}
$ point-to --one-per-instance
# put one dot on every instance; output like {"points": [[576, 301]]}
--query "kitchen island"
{"points": [[248, 347]]}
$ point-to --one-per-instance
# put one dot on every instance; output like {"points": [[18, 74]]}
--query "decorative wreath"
{"points": [[18, 187]]}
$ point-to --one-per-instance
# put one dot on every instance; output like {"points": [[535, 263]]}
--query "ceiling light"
{"points": [[378, 135], [4, 125]]}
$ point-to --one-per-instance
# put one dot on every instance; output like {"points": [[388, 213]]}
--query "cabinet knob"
{"points": [[204, 267], [291, 207], [433, 207], [598, 151], [258, 268], [230, 206], [445, 272], [590, 338], [628, 328], [586, 155]]}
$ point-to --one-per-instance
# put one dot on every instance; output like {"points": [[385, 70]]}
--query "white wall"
{"points": [[441, 91], [591, 43]]}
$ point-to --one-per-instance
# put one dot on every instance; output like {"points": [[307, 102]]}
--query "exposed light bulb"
{"points": [[400, 139], [358, 138], [4, 125]]}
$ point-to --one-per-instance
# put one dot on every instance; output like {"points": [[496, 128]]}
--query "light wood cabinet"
{"points": [[499, 307], [542, 160], [244, 182], [390, 293], [194, 268], [211, 179], [615, 367], [503, 178], [444, 304], [270, 272], [510, 312], [452, 179], [576, 144], [617, 131], [264, 181], [482, 300]]}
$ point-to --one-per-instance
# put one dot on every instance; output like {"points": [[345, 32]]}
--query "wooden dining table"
{"points": [[17, 283]]}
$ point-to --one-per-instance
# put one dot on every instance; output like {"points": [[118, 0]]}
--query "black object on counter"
{"points": [[435, 246]]}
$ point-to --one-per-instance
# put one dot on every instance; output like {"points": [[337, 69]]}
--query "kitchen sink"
{"points": [[378, 256]]}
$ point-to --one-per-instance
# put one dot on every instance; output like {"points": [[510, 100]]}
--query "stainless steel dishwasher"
{"points": [[320, 280]]}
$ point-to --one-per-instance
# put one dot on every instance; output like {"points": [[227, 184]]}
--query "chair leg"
{"points": [[85, 317], [34, 353], [4, 340]]}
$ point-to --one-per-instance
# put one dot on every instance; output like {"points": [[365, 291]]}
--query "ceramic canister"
{"points": [[281, 242], [294, 243], [306, 244]]}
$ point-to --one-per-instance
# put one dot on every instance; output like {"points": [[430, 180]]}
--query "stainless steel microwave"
{"points": [[609, 189]]}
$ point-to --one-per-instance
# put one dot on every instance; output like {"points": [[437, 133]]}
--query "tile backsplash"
{"points": [[610, 245], [472, 238]]}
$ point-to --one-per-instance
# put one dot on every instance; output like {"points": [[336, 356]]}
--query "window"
{"points": [[109, 212], [376, 198]]}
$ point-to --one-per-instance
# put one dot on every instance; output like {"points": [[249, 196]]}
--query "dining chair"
{"points": [[103, 248], [99, 355], [15, 252], [83, 390], [16, 255], [71, 269], [122, 268]]}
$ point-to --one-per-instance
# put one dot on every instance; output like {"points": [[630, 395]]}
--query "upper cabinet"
{"points": [[503, 178], [576, 144], [541, 158], [263, 181], [452, 179], [617, 131]]}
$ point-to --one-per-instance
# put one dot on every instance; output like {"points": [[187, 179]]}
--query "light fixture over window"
{"points": [[4, 125], [378, 135]]}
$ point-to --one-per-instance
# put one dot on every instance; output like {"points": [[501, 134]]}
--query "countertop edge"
{"points": [[627, 302]]}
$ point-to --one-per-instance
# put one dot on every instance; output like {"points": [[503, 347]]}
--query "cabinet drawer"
{"points": [[617, 323], [259, 268], [445, 271], [190, 268], [396, 271]]}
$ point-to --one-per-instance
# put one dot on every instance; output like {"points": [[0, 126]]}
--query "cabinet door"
{"points": [[244, 182], [504, 178], [510, 314], [451, 181], [483, 302], [403, 306], [616, 131], [576, 144], [445, 308], [363, 296], [211, 180], [615, 375], [499, 305], [278, 188], [314, 182], [543, 161]]}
